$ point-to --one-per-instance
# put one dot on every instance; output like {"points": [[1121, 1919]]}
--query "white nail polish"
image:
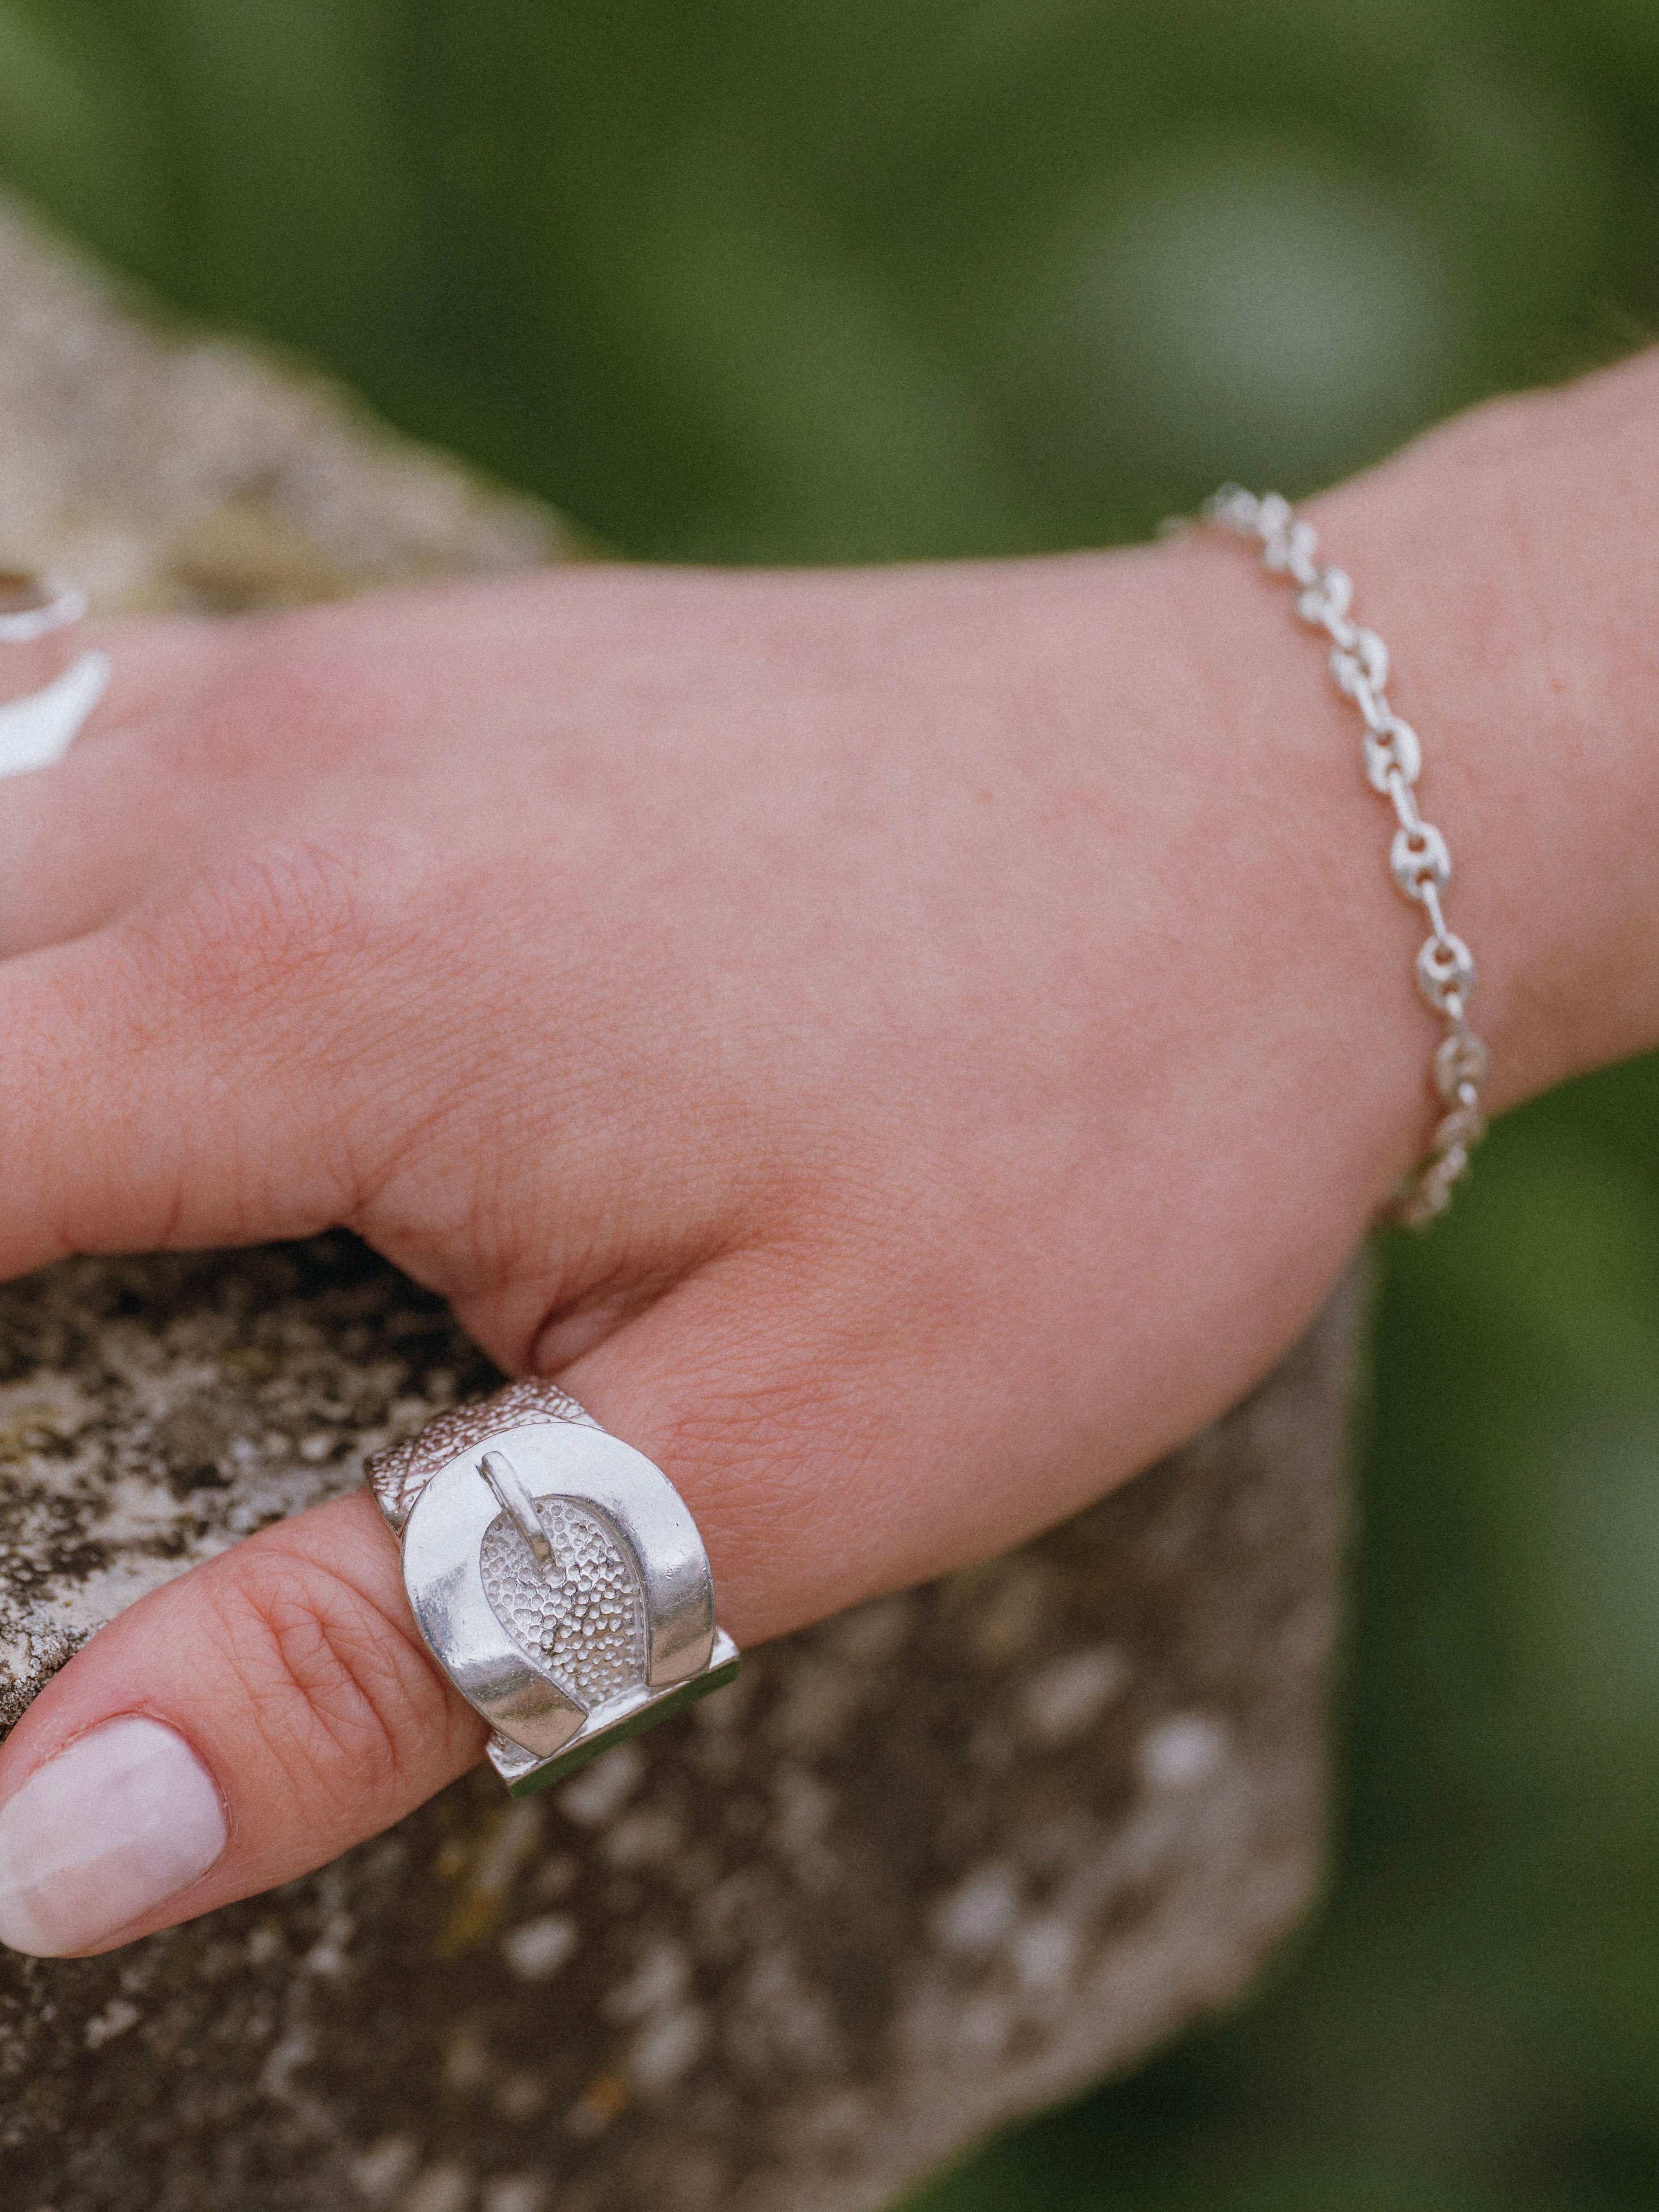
{"points": [[122, 1819]]}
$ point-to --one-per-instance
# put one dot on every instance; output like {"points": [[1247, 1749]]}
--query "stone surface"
{"points": [[168, 471], [927, 1865]]}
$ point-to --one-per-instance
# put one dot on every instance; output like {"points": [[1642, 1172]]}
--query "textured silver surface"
{"points": [[397, 1476], [529, 1445], [584, 1623]]}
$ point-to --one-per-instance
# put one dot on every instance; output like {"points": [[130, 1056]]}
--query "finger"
{"points": [[232, 1730], [83, 840], [113, 826], [188, 1078], [276, 1705]]}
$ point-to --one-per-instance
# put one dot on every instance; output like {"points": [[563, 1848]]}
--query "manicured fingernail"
{"points": [[124, 1818]]}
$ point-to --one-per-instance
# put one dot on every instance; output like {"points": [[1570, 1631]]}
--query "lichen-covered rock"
{"points": [[168, 470], [152, 1411], [926, 1866]]}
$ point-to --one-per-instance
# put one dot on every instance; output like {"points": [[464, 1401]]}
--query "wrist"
{"points": [[1510, 560]]}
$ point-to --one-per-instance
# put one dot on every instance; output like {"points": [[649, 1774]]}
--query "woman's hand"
{"points": [[904, 1049]]}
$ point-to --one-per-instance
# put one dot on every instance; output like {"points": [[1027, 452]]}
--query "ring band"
{"points": [[556, 1576], [32, 605], [38, 730]]}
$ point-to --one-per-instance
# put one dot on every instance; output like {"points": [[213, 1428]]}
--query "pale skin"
{"points": [[904, 1047]]}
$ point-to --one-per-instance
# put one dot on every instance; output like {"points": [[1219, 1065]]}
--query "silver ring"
{"points": [[39, 729], [32, 605], [556, 1575]]}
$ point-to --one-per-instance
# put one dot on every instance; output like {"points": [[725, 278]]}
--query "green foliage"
{"points": [[755, 280], [803, 279], [77, 124]]}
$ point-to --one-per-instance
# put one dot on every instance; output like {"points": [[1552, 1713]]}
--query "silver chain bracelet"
{"points": [[1418, 858]]}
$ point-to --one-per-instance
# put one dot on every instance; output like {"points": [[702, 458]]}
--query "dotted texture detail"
{"points": [[398, 1476], [584, 1621]]}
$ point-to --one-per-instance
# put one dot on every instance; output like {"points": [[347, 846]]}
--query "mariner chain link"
{"points": [[1419, 858]]}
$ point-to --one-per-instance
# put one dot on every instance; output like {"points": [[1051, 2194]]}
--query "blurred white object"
{"points": [[39, 730], [31, 606]]}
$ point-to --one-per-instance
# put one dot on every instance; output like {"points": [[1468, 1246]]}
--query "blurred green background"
{"points": [[831, 279]]}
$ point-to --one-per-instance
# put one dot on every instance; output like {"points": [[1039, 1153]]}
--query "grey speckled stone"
{"points": [[929, 1864], [926, 1866], [167, 470]]}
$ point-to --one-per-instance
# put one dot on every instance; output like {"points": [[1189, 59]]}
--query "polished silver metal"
{"points": [[499, 1472], [39, 729], [1420, 858], [557, 1577]]}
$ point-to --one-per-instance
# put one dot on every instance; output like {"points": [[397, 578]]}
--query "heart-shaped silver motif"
{"points": [[558, 1580], [582, 1619]]}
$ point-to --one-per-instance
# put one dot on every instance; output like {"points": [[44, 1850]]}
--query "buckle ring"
{"points": [[557, 1577]]}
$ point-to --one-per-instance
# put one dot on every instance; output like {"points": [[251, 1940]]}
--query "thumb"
{"points": [[232, 1730]]}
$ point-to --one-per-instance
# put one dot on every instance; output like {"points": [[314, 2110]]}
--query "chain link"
{"points": [[1419, 857]]}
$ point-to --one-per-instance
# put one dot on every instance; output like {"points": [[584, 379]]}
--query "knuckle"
{"points": [[342, 1692], [283, 988], [288, 970], [267, 928]]}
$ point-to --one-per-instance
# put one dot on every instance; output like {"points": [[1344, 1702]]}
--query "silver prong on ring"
{"points": [[499, 1472]]}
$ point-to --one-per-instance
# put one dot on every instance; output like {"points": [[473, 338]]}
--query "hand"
{"points": [[904, 1049]]}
